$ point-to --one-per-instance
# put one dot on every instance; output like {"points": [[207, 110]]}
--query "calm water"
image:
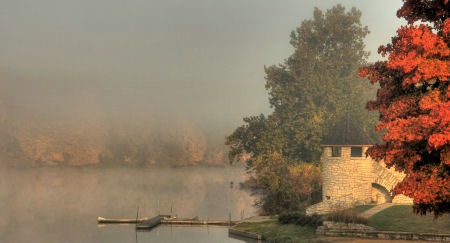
{"points": [[62, 204]]}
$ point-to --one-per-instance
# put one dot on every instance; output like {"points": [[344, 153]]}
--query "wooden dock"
{"points": [[101, 220], [175, 221], [151, 223], [148, 224]]}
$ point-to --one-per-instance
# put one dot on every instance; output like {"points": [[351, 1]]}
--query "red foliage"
{"points": [[414, 105], [434, 11]]}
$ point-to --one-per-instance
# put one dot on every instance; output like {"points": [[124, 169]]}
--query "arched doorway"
{"points": [[380, 194]]}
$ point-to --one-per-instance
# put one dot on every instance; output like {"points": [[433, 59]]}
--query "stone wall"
{"points": [[330, 225], [402, 199], [363, 231], [328, 206]]}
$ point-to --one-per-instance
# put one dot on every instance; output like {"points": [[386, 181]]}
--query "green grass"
{"points": [[273, 231], [363, 208], [402, 218]]}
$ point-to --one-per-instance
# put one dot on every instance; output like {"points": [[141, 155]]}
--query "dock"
{"points": [[197, 222], [151, 223], [102, 220], [148, 224]]}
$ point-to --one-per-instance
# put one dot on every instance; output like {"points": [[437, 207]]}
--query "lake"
{"points": [[62, 204]]}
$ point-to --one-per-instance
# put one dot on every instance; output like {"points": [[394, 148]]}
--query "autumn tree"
{"points": [[414, 104], [309, 92]]}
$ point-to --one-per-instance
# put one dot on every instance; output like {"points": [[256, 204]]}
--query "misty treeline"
{"points": [[311, 92], [44, 142]]}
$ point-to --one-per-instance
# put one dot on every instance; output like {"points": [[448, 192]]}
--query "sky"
{"points": [[199, 59]]}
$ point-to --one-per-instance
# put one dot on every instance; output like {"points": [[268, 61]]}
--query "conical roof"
{"points": [[348, 131]]}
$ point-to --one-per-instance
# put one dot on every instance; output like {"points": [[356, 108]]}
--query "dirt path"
{"points": [[380, 207]]}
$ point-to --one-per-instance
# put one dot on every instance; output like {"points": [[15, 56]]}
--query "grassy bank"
{"points": [[395, 218], [273, 231], [402, 218]]}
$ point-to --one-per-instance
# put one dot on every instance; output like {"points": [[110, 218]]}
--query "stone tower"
{"points": [[349, 176], [345, 170]]}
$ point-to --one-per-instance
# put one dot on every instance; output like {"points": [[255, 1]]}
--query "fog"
{"points": [[93, 67], [199, 60]]}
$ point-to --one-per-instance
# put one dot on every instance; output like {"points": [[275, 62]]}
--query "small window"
{"points": [[336, 151], [356, 152]]}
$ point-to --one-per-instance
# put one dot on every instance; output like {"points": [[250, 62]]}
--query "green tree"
{"points": [[309, 92], [312, 90]]}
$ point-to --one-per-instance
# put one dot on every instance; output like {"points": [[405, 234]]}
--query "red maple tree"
{"points": [[414, 104]]}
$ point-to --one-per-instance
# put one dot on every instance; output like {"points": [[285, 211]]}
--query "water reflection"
{"points": [[62, 204], [196, 234]]}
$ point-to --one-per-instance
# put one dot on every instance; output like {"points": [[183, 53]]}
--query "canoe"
{"points": [[101, 220]]}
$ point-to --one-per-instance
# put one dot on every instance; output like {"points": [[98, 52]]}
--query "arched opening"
{"points": [[380, 194]]}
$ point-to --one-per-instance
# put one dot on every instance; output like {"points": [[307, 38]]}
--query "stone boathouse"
{"points": [[350, 177]]}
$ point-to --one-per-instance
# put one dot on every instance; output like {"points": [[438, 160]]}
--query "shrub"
{"points": [[347, 216], [301, 219], [282, 186]]}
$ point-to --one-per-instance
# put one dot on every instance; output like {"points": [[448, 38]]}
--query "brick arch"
{"points": [[384, 177]]}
